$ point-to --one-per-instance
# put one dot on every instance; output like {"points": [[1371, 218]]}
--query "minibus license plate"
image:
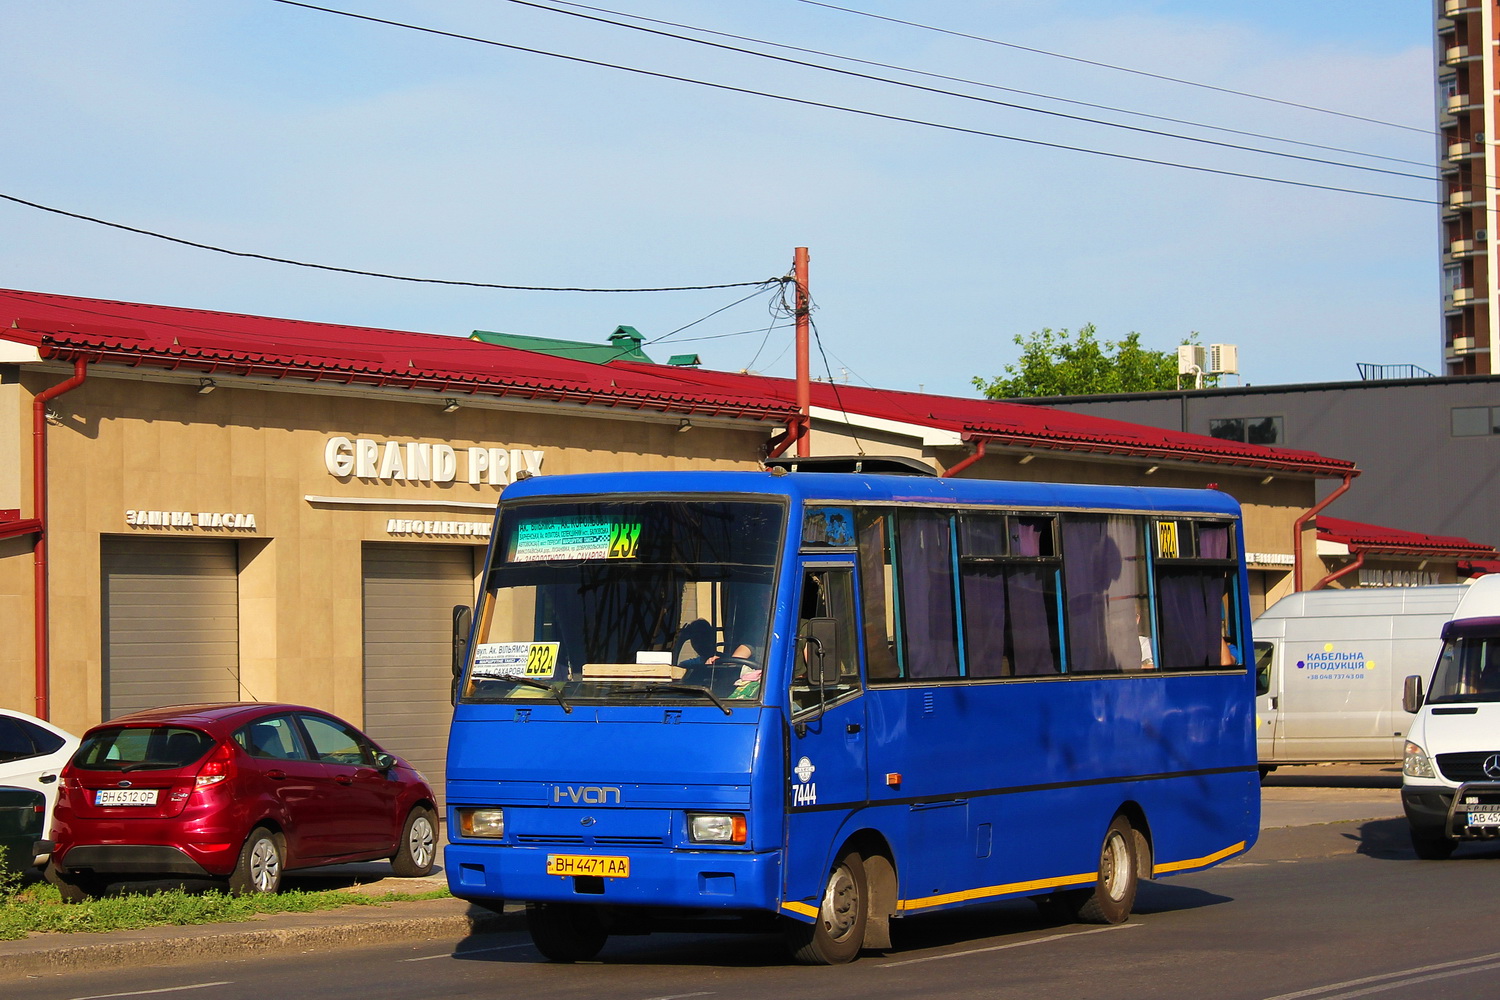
{"points": [[125, 797], [585, 864], [1489, 818]]}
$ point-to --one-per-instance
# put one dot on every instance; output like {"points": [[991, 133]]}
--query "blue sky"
{"points": [[266, 128]]}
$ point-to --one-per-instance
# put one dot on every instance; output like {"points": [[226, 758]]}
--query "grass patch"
{"points": [[36, 907]]}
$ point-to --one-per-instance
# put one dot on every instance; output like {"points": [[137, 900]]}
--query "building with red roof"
{"points": [[199, 505]]}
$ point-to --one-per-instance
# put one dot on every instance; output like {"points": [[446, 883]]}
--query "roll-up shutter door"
{"points": [[171, 623], [409, 595]]}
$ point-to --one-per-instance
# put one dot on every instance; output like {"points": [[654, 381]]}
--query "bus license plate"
{"points": [[1484, 818], [125, 797], [585, 864]]}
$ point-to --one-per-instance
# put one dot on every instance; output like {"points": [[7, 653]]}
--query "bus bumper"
{"points": [[692, 880]]}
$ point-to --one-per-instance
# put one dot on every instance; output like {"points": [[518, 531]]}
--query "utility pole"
{"points": [[804, 385]]}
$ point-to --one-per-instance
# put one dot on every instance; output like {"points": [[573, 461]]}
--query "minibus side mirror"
{"points": [[819, 649], [1411, 694], [462, 617]]}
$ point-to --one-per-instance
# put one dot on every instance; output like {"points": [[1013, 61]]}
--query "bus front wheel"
{"points": [[838, 933], [565, 933], [1114, 889]]}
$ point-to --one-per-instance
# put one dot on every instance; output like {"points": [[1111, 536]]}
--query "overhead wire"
{"points": [[371, 274], [994, 86], [1111, 66], [865, 112], [1011, 105]]}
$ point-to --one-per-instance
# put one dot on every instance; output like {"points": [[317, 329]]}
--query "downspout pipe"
{"points": [[969, 460], [783, 441], [1359, 560], [39, 513], [1301, 522]]}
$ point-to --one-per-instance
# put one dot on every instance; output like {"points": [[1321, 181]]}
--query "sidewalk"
{"points": [[1312, 794], [1291, 797]]}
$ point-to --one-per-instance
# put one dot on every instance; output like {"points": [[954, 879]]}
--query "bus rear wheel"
{"points": [[1114, 888], [564, 932], [838, 933]]}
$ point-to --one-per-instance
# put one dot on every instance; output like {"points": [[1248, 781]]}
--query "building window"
{"points": [[1475, 421], [1250, 430]]}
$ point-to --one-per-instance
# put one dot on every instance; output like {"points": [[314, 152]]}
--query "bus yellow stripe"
{"points": [[1177, 866], [1036, 885], [1045, 884], [802, 908]]}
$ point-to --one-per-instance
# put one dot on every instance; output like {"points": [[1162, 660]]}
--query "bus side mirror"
{"points": [[462, 616], [819, 649], [1411, 693]]}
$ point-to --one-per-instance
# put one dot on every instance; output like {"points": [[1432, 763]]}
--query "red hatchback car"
{"points": [[241, 792]]}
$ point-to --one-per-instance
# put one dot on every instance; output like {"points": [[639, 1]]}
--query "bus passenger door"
{"points": [[826, 744]]}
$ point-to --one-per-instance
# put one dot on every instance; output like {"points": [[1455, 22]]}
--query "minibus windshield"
{"points": [[628, 601], [1468, 670]]}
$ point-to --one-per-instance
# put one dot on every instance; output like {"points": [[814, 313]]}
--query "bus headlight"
{"points": [[716, 828], [489, 822], [1415, 762]]}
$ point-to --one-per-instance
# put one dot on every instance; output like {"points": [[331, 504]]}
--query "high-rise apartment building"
{"points": [[1468, 89]]}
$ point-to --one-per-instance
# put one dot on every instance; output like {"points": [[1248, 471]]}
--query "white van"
{"points": [[1331, 665], [1450, 777]]}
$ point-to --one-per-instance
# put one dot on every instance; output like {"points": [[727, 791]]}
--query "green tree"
{"points": [[1059, 363]]}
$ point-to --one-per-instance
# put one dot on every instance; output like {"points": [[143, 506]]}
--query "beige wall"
{"points": [[127, 444]]}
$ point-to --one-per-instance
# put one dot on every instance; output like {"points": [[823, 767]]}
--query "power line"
{"points": [[805, 102], [978, 83], [374, 274], [975, 97], [1120, 69]]}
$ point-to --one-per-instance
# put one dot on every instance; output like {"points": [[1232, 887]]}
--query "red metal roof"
{"points": [[1375, 539], [1030, 426], [66, 327]]}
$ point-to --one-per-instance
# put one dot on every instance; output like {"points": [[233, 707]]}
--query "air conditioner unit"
{"points": [[1223, 359], [1190, 359]]}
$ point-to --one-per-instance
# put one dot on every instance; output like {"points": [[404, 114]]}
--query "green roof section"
{"points": [[623, 345]]}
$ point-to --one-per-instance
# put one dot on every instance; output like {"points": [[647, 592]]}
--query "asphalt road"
{"points": [[1322, 912], [1329, 905]]}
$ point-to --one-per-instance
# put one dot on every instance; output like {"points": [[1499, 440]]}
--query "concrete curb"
{"points": [[424, 920]]}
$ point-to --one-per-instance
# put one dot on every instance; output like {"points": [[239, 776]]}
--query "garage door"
{"points": [[171, 624], [409, 594]]}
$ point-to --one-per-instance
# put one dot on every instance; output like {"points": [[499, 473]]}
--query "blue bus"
{"points": [[819, 701]]}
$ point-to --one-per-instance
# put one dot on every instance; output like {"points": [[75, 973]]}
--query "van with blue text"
{"points": [[1331, 665]]}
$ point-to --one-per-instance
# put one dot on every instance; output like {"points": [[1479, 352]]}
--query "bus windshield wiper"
{"points": [[692, 689], [543, 685]]}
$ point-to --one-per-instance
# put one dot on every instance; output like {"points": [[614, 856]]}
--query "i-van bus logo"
{"points": [[594, 795]]}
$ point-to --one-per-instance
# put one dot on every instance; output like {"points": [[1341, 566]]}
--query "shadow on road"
{"points": [[1322, 777], [984, 925], [1388, 840]]}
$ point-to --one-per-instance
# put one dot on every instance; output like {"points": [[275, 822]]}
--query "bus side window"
{"points": [[877, 590], [827, 595]]}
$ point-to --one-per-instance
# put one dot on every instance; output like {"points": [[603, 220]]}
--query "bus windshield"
{"points": [[622, 601], [1468, 670]]}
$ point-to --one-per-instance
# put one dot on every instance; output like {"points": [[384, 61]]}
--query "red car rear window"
{"points": [[136, 748]]}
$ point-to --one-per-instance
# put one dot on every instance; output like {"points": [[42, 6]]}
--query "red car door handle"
{"points": [[276, 774], [344, 779]]}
